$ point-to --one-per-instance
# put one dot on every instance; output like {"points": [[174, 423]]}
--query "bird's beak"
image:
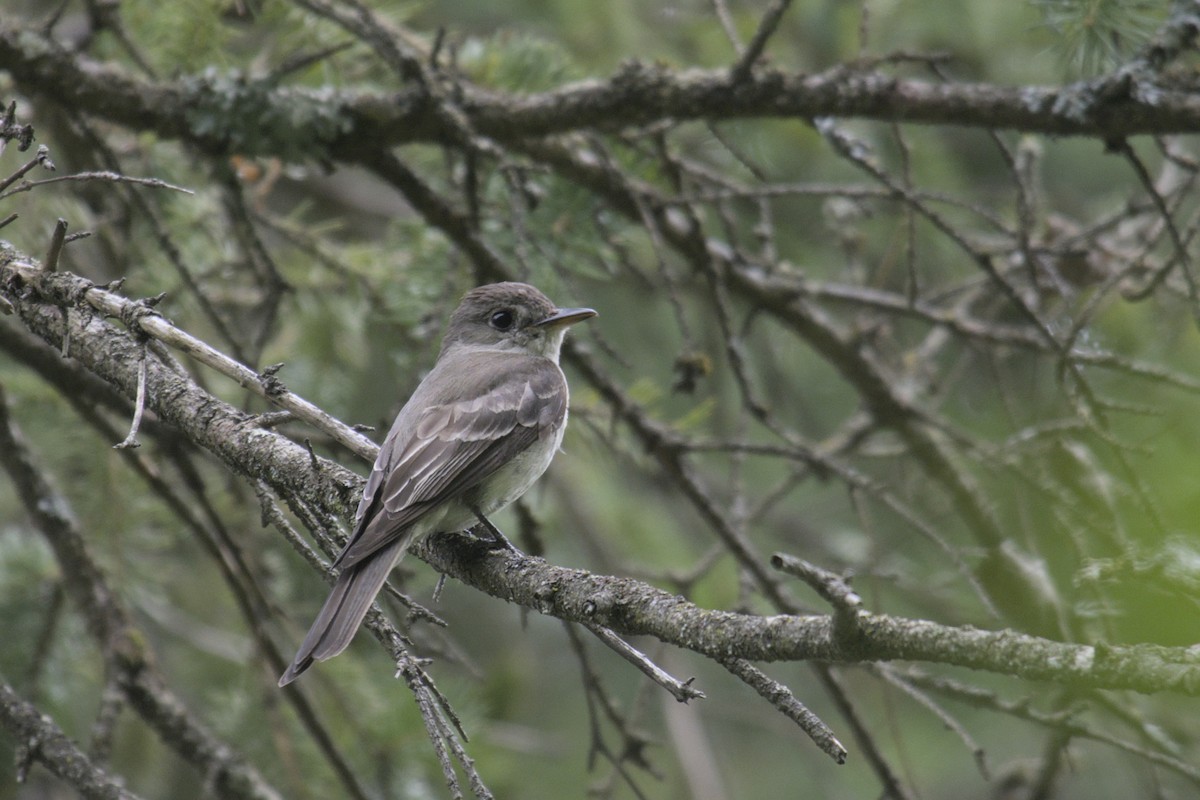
{"points": [[566, 316]]}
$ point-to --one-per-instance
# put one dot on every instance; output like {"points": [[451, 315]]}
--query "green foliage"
{"points": [[190, 36], [1098, 35], [517, 61]]}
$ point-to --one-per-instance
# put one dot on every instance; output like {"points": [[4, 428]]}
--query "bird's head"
{"points": [[511, 316]]}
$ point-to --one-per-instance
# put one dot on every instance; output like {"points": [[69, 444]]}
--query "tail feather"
{"points": [[348, 602]]}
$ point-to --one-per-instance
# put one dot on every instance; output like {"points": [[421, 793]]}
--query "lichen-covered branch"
{"points": [[41, 740], [234, 114]]}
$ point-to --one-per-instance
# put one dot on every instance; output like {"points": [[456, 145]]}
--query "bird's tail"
{"points": [[343, 612]]}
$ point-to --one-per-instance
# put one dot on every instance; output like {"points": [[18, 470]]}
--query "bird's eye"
{"points": [[502, 320]]}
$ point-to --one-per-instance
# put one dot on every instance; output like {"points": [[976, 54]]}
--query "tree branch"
{"points": [[40, 739], [633, 608], [216, 113]]}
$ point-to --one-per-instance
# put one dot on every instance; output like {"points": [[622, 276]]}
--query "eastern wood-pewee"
{"points": [[477, 432]]}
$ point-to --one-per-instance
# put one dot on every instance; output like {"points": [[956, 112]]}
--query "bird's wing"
{"points": [[453, 446]]}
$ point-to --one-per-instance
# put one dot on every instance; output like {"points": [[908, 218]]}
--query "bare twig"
{"points": [[139, 405], [833, 588], [682, 691], [100, 176], [863, 734], [782, 698], [896, 679], [758, 42], [42, 159], [1182, 258], [57, 240]]}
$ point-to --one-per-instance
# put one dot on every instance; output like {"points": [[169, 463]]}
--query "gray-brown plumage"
{"points": [[481, 427]]}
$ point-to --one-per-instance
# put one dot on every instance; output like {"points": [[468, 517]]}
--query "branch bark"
{"points": [[40, 739], [224, 115], [634, 608]]}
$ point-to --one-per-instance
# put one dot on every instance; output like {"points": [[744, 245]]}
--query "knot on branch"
{"points": [[600, 605], [848, 613], [544, 596], [636, 76], [77, 294], [133, 312], [270, 383]]}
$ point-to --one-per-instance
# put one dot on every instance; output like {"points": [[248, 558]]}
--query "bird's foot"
{"points": [[499, 540]]}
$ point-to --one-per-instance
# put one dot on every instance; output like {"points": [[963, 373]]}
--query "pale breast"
{"points": [[512, 481]]}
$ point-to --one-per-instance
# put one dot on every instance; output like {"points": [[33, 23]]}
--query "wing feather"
{"points": [[440, 450]]}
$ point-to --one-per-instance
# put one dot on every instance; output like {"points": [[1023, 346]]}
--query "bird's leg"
{"points": [[498, 538]]}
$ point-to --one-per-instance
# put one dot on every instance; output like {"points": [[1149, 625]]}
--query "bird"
{"points": [[477, 432]]}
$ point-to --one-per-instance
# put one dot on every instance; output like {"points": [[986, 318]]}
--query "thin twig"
{"points": [[139, 406], [103, 176], [782, 698], [770, 22], [42, 158], [727, 25], [1182, 258], [890, 675], [57, 240], [682, 691], [832, 587], [892, 786]]}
